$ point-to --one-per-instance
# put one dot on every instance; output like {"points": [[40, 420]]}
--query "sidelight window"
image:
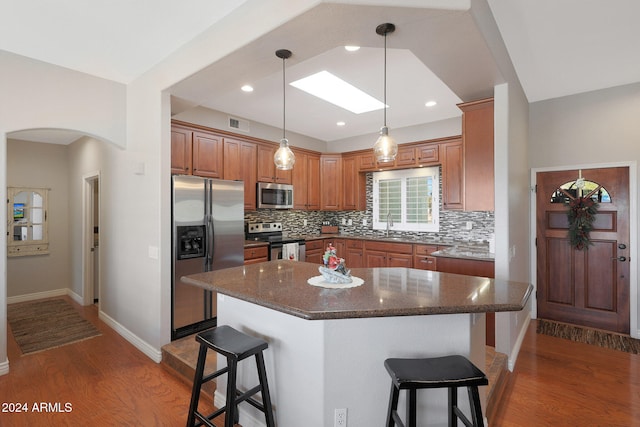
{"points": [[406, 200]]}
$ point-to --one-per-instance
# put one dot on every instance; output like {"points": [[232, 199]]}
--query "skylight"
{"points": [[330, 88]]}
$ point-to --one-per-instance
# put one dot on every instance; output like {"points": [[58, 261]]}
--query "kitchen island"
{"points": [[327, 346]]}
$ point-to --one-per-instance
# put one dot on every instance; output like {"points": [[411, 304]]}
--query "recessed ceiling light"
{"points": [[351, 48], [430, 104], [247, 88], [340, 123], [332, 89]]}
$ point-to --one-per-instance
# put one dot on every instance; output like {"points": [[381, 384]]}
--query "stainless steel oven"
{"points": [[276, 250], [280, 246]]}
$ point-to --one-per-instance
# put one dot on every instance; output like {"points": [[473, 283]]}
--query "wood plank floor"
{"points": [[108, 382], [557, 382]]}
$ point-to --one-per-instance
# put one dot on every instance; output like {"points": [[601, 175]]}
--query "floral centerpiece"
{"points": [[334, 269]]}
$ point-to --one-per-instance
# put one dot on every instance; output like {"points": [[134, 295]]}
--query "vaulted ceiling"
{"points": [[557, 49]]}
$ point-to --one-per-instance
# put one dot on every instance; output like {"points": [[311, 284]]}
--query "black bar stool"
{"points": [[235, 346], [437, 372]]}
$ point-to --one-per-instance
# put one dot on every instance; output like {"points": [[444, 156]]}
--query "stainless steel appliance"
{"points": [[208, 234], [279, 246], [274, 196]]}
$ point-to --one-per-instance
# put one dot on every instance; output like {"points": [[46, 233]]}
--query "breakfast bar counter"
{"points": [[327, 346]]}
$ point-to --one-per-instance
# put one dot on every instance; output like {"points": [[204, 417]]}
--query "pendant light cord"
{"points": [[284, 101], [385, 79]]}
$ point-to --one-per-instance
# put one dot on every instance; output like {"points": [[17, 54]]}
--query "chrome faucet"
{"points": [[389, 222]]}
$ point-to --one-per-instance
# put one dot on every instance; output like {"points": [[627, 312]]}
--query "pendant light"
{"points": [[284, 157], [385, 148]]}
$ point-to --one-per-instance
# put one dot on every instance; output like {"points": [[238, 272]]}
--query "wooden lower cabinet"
{"points": [[354, 253], [386, 254], [254, 255], [314, 251], [422, 259], [472, 267], [469, 267]]}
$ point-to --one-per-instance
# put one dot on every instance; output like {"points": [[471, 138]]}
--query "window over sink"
{"points": [[406, 200]]}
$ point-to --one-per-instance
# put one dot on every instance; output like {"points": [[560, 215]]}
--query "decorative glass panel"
{"points": [[570, 190]]}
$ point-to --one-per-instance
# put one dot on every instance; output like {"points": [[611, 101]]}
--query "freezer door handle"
{"points": [[210, 232]]}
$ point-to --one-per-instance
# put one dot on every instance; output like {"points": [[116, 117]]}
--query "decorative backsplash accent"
{"points": [[452, 222]]}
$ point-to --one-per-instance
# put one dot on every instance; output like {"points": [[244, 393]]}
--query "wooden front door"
{"points": [[584, 287]]}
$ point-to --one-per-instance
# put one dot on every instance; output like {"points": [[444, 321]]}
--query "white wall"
{"points": [[220, 120], [440, 129], [34, 94], [594, 128], [511, 210], [86, 156], [33, 164]]}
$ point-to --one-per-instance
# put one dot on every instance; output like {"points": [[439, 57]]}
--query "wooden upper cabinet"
{"points": [[331, 185], [267, 171], [368, 163], [207, 154], [453, 181], [240, 159], [354, 185], [478, 141], [306, 181], [427, 153], [181, 162], [406, 156]]}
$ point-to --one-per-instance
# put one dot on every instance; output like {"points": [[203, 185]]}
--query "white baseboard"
{"points": [[4, 367], [516, 348], [38, 295], [77, 298], [152, 353]]}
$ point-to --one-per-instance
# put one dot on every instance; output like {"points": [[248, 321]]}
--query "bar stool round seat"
{"points": [[235, 346], [437, 372]]}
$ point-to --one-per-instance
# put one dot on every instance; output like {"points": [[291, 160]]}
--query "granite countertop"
{"points": [[282, 285], [476, 252], [412, 240], [447, 248], [254, 243]]}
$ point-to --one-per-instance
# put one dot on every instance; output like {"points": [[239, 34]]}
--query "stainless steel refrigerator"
{"points": [[208, 234]]}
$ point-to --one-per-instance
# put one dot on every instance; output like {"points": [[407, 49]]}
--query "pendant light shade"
{"points": [[284, 157], [385, 148]]}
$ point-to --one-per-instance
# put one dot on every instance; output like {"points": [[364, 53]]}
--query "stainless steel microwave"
{"points": [[274, 196]]}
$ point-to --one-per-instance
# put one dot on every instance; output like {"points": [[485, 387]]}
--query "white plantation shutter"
{"points": [[409, 196]]}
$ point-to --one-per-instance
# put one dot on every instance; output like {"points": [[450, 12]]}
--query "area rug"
{"points": [[586, 335], [46, 324]]}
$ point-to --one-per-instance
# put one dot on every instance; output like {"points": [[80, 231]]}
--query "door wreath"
{"points": [[581, 214]]}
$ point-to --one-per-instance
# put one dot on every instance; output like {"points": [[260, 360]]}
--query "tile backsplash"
{"points": [[452, 222]]}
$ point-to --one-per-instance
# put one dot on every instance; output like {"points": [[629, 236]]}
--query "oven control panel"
{"points": [[264, 227]]}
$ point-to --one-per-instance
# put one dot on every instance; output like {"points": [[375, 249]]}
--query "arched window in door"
{"points": [[569, 190]]}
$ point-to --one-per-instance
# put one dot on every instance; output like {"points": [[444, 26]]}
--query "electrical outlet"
{"points": [[304, 222], [364, 221], [344, 221], [340, 417], [349, 221], [469, 225]]}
